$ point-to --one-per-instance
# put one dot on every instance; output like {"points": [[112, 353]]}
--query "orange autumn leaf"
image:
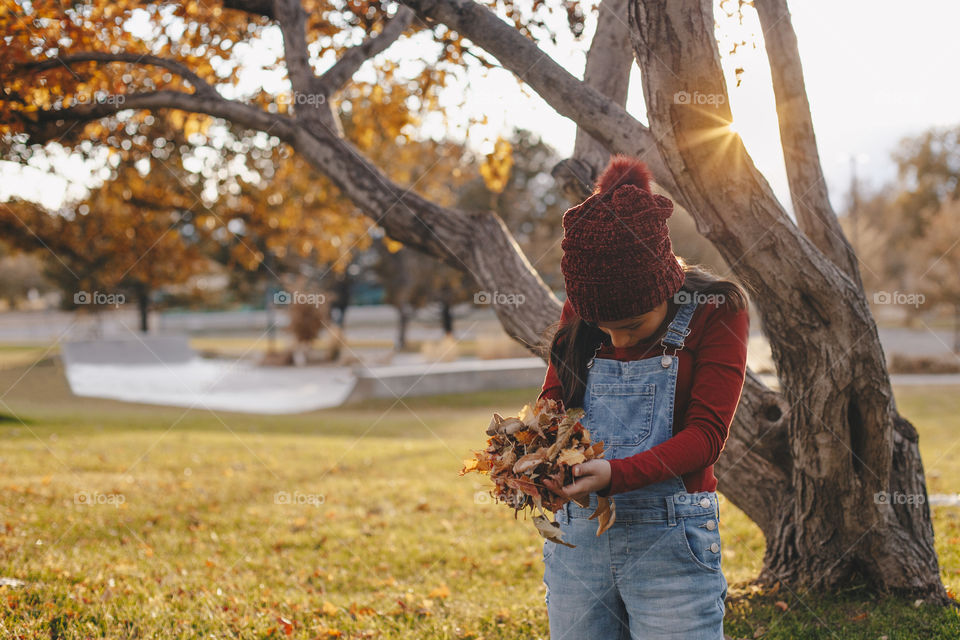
{"points": [[526, 437], [329, 609], [286, 625], [571, 457], [443, 591]]}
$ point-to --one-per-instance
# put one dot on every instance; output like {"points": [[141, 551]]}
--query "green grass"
{"points": [[186, 536], [18, 355]]}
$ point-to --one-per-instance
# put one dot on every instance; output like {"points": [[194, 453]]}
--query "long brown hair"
{"points": [[573, 344]]}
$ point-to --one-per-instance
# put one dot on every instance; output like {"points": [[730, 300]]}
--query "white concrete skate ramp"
{"points": [[165, 371]]}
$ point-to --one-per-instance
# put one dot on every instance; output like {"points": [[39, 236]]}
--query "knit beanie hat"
{"points": [[618, 261]]}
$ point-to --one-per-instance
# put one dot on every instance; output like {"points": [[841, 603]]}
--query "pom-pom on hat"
{"points": [[618, 261], [624, 170]]}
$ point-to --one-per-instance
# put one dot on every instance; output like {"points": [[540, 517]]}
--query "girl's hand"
{"points": [[590, 476]]}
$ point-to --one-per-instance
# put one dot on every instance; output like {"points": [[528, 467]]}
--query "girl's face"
{"points": [[629, 331]]}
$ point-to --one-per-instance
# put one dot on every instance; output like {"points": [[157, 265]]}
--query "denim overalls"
{"points": [[656, 572]]}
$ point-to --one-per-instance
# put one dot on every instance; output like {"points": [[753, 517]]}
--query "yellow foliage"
{"points": [[496, 167], [392, 245]]}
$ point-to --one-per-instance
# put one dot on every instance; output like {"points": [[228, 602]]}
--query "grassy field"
{"points": [[127, 521]]}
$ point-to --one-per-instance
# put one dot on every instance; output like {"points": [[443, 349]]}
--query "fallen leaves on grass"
{"points": [[285, 625], [541, 441], [443, 591], [329, 609]]}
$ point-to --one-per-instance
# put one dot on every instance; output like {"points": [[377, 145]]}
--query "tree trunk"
{"points": [[446, 317], [143, 307], [608, 71], [956, 328], [403, 318], [850, 498], [342, 288]]}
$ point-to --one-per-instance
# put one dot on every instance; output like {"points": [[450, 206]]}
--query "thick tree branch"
{"points": [[609, 61], [617, 131], [602, 118], [256, 7], [201, 86], [49, 124], [351, 60], [496, 265], [716, 175], [447, 234], [808, 188], [758, 447], [310, 103], [293, 25]]}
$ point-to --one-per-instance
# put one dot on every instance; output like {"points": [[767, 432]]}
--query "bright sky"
{"points": [[875, 71]]}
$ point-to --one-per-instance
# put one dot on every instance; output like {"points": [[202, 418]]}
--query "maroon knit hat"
{"points": [[618, 261]]}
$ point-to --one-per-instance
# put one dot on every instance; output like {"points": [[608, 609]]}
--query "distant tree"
{"points": [[126, 238], [905, 233], [929, 171], [515, 181], [20, 273], [412, 280], [939, 259]]}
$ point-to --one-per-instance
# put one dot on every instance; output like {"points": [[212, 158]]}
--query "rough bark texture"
{"points": [[828, 525], [805, 463], [808, 189], [607, 70], [606, 121]]}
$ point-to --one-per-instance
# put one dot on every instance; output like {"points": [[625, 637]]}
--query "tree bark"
{"points": [[850, 454], [607, 70], [143, 307], [605, 120], [446, 318], [808, 188], [403, 317]]}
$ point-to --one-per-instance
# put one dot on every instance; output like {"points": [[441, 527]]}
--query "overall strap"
{"points": [[678, 329]]}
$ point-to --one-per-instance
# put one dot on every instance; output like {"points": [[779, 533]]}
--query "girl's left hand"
{"points": [[590, 476]]}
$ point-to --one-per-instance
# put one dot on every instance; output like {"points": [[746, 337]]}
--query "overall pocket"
{"points": [[620, 413], [700, 537]]}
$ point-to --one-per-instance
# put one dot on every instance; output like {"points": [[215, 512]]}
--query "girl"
{"points": [[654, 350]]}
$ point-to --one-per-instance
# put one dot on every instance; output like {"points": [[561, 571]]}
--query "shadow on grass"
{"points": [[851, 614]]}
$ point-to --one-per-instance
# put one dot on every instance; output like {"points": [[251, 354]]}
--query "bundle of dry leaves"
{"points": [[541, 441]]}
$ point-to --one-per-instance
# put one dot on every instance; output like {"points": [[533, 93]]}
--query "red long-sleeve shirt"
{"points": [[709, 383]]}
